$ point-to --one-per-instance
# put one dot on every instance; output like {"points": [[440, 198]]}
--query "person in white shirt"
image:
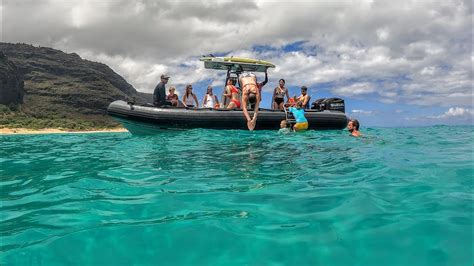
{"points": [[189, 98], [210, 100]]}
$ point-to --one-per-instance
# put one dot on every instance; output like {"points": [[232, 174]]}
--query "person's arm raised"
{"points": [[266, 79]]}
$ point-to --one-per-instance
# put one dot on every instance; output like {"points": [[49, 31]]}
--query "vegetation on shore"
{"points": [[14, 117]]}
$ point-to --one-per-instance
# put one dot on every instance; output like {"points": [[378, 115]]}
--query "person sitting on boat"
{"points": [[210, 100], [159, 94], [250, 95], [353, 127], [233, 95], [227, 94], [298, 113], [285, 127], [172, 98], [304, 97], [279, 93], [189, 97]]}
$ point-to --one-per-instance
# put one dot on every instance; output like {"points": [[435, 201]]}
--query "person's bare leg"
{"points": [[231, 106], [255, 114], [250, 124]]}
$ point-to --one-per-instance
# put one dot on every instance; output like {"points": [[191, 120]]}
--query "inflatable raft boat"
{"points": [[147, 119]]}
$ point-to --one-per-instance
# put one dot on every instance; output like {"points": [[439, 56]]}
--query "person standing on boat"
{"points": [[159, 94], [250, 95], [233, 95], [298, 113], [210, 100], [189, 97], [279, 93], [353, 127]]}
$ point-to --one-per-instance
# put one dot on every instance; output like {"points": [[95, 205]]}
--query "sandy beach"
{"points": [[12, 131]]}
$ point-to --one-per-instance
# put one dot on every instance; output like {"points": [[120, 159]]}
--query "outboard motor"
{"points": [[335, 104], [318, 104]]}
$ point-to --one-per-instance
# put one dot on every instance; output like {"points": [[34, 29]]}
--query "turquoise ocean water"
{"points": [[205, 197]]}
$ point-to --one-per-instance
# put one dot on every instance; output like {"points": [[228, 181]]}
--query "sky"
{"points": [[395, 63]]}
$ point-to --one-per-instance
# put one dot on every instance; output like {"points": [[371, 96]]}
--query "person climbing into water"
{"points": [[285, 127], [159, 94], [250, 95], [353, 127], [298, 113]]}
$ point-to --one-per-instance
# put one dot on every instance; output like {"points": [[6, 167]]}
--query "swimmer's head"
{"points": [[252, 98]]}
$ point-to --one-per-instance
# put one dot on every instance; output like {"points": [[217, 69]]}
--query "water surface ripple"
{"points": [[209, 197]]}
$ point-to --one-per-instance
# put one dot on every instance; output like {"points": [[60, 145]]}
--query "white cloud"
{"points": [[454, 115], [455, 112], [355, 89], [413, 52], [362, 112], [382, 34]]}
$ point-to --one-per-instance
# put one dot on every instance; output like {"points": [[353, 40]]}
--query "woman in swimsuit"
{"points": [[189, 97], [234, 95], [250, 94], [279, 95]]}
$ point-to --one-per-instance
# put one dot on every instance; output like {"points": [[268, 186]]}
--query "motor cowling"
{"points": [[318, 104], [334, 104]]}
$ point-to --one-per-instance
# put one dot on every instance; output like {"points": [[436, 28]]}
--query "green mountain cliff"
{"points": [[44, 87]]}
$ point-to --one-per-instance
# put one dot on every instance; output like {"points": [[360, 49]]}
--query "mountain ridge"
{"points": [[62, 90]]}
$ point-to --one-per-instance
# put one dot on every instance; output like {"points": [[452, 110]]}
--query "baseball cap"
{"points": [[165, 76]]}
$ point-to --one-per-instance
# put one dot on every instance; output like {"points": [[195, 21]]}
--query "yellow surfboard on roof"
{"points": [[234, 63]]}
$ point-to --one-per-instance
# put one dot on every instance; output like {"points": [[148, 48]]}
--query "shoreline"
{"points": [[28, 131]]}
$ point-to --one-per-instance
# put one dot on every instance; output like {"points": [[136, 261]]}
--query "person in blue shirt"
{"points": [[298, 113]]}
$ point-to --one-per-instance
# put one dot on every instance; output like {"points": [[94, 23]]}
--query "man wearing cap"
{"points": [[159, 95]]}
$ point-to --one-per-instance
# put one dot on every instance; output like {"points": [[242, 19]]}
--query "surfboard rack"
{"points": [[236, 64]]}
